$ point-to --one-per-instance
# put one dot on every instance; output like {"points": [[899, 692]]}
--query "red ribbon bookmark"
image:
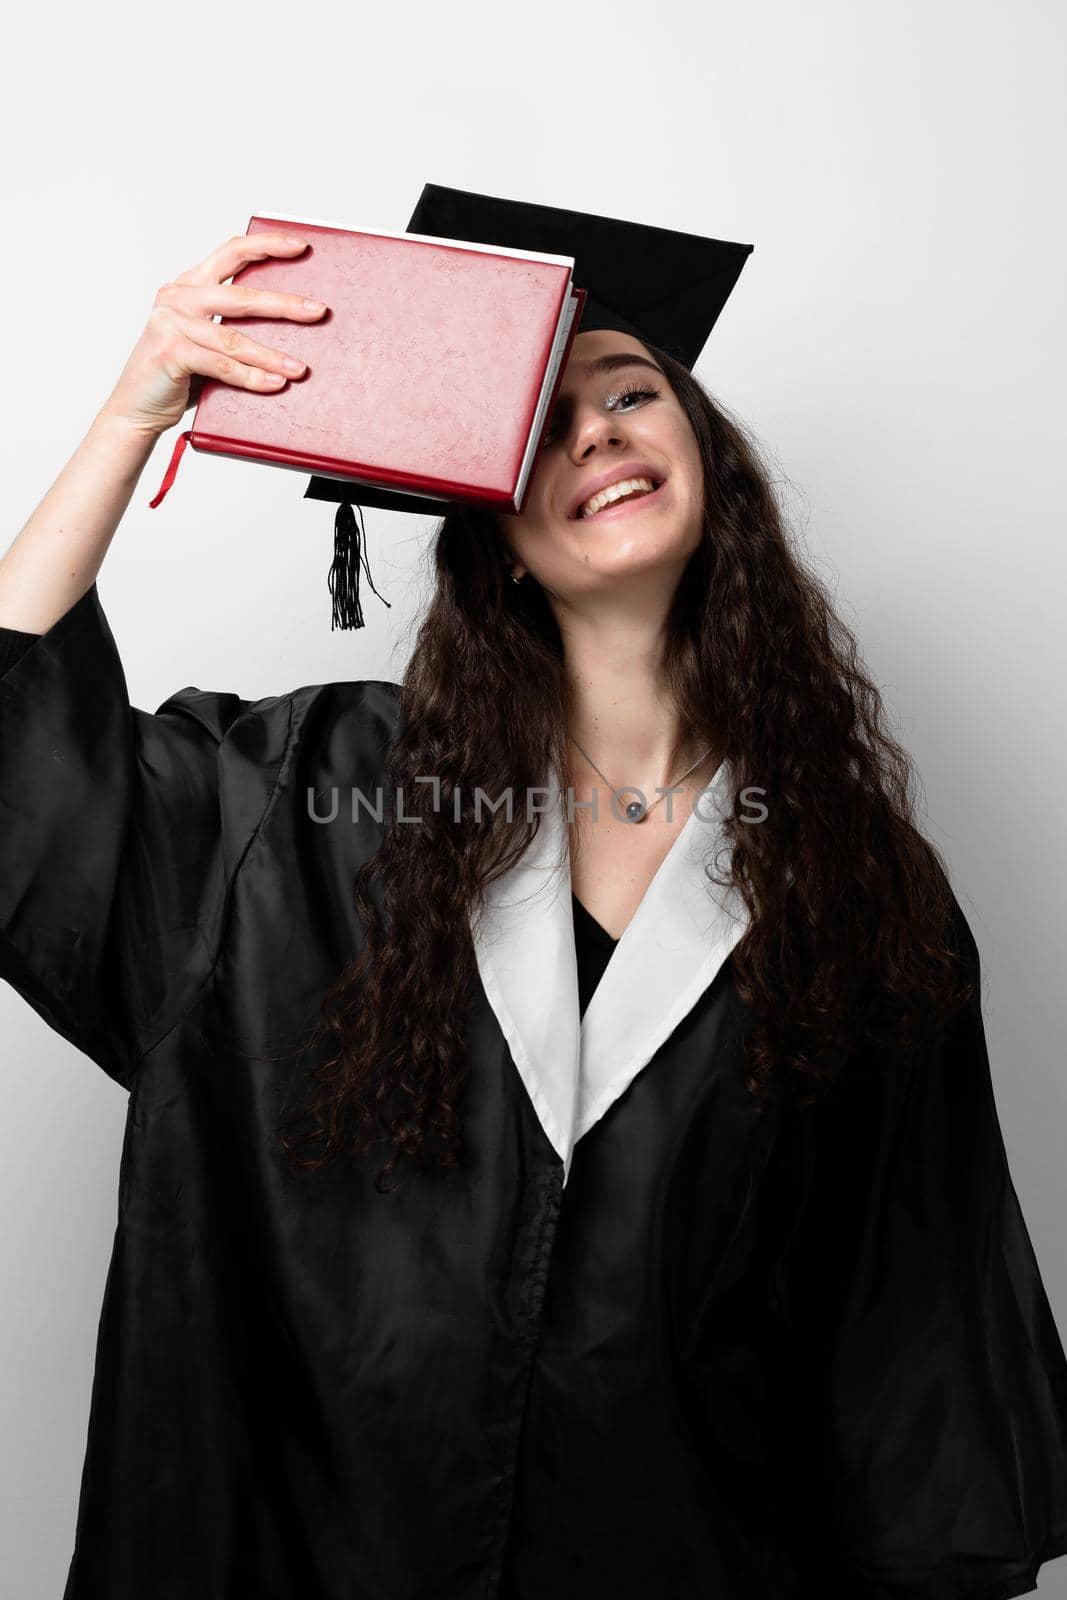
{"points": [[171, 472]]}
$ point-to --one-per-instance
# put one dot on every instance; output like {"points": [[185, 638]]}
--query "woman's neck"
{"points": [[620, 711]]}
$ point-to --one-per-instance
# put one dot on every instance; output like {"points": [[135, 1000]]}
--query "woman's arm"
{"points": [[55, 559], [117, 850]]}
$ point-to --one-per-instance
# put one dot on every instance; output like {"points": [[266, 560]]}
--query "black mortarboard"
{"points": [[658, 284]]}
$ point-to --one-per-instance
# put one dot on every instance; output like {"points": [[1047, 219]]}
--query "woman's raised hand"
{"points": [[180, 345]]}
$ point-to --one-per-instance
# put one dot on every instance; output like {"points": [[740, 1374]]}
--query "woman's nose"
{"points": [[593, 429]]}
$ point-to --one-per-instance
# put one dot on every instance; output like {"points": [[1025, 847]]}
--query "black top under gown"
{"points": [[593, 945]]}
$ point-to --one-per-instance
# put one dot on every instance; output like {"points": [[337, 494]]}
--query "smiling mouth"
{"points": [[615, 508]]}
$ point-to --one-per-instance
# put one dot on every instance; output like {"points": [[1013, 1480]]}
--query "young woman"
{"points": [[531, 1205]]}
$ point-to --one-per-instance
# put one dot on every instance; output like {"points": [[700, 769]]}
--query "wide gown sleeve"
{"points": [[926, 1405], [113, 864]]}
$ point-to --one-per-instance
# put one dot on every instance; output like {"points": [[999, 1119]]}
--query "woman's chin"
{"points": [[603, 570]]}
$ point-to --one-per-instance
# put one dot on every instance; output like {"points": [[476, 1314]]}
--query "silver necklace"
{"points": [[636, 810]]}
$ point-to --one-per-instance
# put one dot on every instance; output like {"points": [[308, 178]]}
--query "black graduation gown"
{"points": [[647, 1343]]}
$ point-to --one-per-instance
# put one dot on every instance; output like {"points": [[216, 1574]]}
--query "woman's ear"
{"points": [[512, 566]]}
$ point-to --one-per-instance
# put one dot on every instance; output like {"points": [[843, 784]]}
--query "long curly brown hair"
{"points": [[850, 907]]}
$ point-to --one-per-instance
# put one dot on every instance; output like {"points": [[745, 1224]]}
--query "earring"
{"points": [[518, 579]]}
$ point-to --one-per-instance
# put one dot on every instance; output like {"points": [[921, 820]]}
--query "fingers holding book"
{"points": [[181, 344]]}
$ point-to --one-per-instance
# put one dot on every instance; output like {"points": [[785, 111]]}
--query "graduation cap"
{"points": [[658, 284]]}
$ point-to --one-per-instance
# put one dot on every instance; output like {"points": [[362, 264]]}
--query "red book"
{"points": [[433, 372]]}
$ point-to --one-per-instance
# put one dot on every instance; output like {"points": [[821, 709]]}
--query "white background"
{"points": [[896, 341]]}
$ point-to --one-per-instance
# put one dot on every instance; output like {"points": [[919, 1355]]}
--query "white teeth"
{"points": [[616, 491]]}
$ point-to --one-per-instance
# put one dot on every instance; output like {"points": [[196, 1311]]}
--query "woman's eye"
{"points": [[632, 392]]}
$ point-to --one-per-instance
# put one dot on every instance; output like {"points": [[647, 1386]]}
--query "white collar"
{"points": [[668, 955]]}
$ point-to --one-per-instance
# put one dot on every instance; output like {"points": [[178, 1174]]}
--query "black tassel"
{"points": [[348, 552]]}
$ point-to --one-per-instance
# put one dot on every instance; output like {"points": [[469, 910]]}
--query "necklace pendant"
{"points": [[636, 811]]}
